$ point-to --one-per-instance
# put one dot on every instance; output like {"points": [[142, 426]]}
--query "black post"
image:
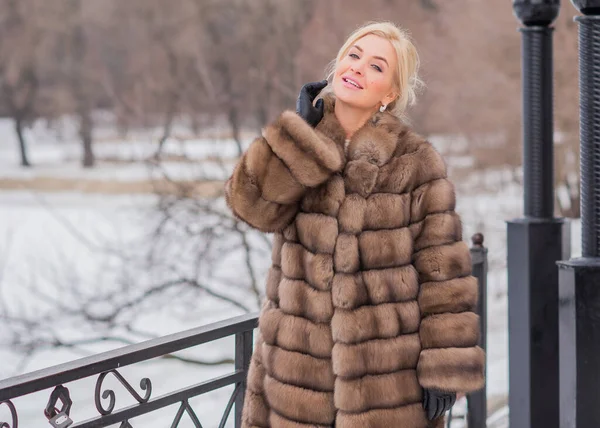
{"points": [[243, 353], [477, 401], [537, 241], [580, 278]]}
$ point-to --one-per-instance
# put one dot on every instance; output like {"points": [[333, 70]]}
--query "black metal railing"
{"points": [[477, 402], [108, 363], [476, 415]]}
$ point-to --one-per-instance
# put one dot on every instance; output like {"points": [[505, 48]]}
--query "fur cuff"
{"points": [[310, 155], [452, 369], [446, 330]]}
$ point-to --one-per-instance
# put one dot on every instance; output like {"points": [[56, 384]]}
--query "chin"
{"points": [[353, 99]]}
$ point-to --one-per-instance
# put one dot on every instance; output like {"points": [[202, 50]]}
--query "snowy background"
{"points": [[70, 235]]}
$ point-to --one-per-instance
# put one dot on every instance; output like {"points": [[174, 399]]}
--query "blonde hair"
{"points": [[406, 78]]}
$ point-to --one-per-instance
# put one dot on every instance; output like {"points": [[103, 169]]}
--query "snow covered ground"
{"points": [[34, 242], [36, 246], [57, 154]]}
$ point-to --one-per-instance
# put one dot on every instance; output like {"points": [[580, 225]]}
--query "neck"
{"points": [[351, 119]]}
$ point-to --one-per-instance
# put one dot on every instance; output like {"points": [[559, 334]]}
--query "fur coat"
{"points": [[370, 296]]}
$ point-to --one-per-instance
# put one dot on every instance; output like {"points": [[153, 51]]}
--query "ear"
{"points": [[389, 98]]}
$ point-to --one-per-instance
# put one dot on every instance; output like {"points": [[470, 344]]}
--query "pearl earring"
{"points": [[382, 108]]}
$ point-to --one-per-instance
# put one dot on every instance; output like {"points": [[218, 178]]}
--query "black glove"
{"points": [[436, 403], [311, 114]]}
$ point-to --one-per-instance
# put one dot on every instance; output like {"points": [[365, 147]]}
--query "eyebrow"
{"points": [[376, 57]]}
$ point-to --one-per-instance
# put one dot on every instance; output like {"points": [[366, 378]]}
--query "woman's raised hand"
{"points": [[304, 107]]}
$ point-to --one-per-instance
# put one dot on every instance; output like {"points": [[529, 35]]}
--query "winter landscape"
{"points": [[64, 248], [120, 121]]}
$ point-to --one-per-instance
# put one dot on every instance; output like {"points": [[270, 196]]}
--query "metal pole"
{"points": [[243, 354], [477, 401], [538, 155], [580, 278], [589, 73], [537, 241]]}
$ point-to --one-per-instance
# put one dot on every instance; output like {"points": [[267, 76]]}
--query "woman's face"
{"points": [[364, 77]]}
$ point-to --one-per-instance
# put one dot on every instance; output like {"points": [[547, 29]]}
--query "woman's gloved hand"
{"points": [[436, 403], [311, 114]]}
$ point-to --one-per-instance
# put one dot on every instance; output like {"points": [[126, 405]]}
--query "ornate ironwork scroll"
{"points": [[145, 384], [13, 413]]}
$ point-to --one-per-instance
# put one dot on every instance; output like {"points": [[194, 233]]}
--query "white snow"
{"points": [[56, 153], [39, 248]]}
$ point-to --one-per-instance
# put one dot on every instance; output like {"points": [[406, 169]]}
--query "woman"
{"points": [[369, 316]]}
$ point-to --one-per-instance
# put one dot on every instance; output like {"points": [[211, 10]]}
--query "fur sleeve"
{"points": [[272, 176], [451, 359]]}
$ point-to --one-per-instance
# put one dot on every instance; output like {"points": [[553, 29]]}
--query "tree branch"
{"points": [[249, 266]]}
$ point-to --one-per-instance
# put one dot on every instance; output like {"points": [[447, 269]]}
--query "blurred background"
{"points": [[120, 121]]}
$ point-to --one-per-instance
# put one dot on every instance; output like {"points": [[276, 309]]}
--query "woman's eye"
{"points": [[353, 55], [378, 68]]}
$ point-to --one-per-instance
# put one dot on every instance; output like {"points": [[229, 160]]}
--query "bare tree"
{"points": [[251, 48], [165, 60], [20, 38], [123, 67], [196, 255], [83, 57], [224, 49], [78, 76]]}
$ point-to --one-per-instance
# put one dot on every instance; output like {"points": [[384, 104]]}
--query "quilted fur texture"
{"points": [[370, 296]]}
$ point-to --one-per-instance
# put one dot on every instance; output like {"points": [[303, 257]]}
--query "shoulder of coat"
{"points": [[409, 141], [417, 156]]}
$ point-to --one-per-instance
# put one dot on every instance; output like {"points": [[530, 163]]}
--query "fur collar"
{"points": [[375, 141]]}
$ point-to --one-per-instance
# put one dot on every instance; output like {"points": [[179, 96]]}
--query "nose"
{"points": [[357, 67]]}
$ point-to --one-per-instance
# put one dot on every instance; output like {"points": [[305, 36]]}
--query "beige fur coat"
{"points": [[369, 297]]}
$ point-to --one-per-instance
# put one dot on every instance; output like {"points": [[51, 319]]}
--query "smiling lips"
{"points": [[351, 83]]}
